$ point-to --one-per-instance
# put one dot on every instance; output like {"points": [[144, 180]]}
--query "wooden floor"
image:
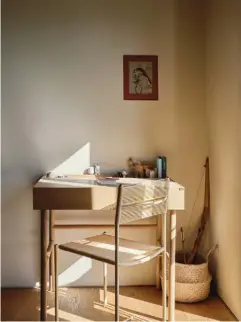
{"points": [[86, 304]]}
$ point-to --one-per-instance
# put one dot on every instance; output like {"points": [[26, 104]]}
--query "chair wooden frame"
{"points": [[119, 206]]}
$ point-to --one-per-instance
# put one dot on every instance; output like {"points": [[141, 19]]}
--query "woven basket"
{"points": [[197, 273], [192, 282], [191, 292]]}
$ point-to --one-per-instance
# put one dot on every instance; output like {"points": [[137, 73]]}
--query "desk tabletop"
{"points": [[91, 192], [85, 181]]}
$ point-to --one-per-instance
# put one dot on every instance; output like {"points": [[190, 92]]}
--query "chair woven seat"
{"points": [[102, 248]]}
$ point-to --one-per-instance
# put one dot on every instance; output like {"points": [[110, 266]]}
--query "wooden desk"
{"points": [[85, 193]]}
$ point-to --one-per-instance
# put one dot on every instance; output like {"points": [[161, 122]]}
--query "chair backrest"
{"points": [[139, 201]]}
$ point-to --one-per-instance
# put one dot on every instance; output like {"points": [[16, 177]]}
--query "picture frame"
{"points": [[140, 77]]}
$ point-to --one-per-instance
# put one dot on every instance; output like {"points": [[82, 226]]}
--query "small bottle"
{"points": [[97, 169], [159, 167], [152, 174], [91, 170]]}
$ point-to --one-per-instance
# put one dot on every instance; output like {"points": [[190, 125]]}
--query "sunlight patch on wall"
{"points": [[75, 271], [77, 163]]}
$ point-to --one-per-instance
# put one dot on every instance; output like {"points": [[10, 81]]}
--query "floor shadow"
{"points": [[86, 304], [212, 308]]}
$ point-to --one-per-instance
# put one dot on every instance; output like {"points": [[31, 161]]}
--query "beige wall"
{"points": [[224, 116], [62, 88]]}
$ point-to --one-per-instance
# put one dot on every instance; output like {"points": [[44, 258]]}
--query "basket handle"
{"points": [[211, 251]]}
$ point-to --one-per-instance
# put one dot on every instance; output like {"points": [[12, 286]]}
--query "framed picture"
{"points": [[140, 77]]}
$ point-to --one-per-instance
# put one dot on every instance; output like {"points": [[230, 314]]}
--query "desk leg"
{"points": [[158, 259], [171, 306], [164, 268], [43, 283], [51, 258]]}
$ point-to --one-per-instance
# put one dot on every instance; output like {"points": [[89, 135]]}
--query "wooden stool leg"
{"points": [[56, 283], [105, 283]]}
